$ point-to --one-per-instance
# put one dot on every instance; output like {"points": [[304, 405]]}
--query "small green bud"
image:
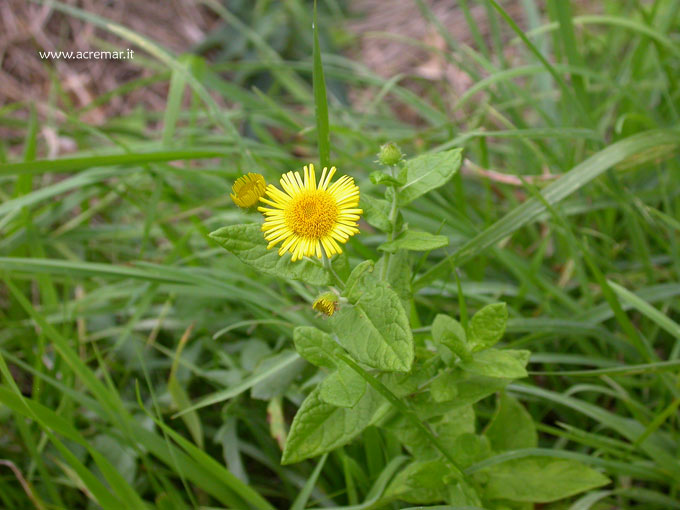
{"points": [[390, 154]]}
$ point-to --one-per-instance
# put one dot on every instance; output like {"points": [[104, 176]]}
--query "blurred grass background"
{"points": [[117, 311]]}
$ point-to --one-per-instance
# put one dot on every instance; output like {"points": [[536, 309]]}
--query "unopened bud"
{"points": [[389, 154]]}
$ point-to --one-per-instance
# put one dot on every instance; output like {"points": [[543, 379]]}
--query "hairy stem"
{"points": [[393, 223], [329, 267]]}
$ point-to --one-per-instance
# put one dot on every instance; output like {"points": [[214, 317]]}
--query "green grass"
{"points": [[142, 366]]}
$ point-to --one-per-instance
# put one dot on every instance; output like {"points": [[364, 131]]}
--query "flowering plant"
{"points": [[376, 365]]}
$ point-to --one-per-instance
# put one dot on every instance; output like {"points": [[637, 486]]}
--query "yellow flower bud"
{"points": [[326, 303], [248, 189]]}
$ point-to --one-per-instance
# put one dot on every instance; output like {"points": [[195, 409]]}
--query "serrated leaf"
{"points": [[414, 240], [427, 172], [487, 326], [375, 330], [512, 427], [316, 346], [539, 479], [376, 212], [343, 388], [319, 427], [248, 244], [496, 363], [449, 332]]}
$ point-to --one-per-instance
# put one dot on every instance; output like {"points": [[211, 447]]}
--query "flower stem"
{"points": [[393, 222], [407, 412], [329, 267]]}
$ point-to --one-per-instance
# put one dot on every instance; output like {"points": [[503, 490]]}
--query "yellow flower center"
{"points": [[312, 214]]}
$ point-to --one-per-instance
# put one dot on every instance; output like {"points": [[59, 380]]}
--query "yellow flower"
{"points": [[248, 189], [306, 218], [326, 303]]}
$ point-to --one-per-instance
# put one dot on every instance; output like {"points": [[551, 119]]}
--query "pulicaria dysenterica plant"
{"points": [[418, 387]]}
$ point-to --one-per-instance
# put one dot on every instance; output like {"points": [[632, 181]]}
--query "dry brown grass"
{"points": [[26, 28]]}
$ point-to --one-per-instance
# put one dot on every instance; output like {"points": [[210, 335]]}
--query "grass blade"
{"points": [[573, 180], [662, 320], [320, 100], [301, 501]]}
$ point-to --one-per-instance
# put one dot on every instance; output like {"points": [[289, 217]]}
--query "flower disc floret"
{"points": [[248, 189], [309, 219], [326, 303]]}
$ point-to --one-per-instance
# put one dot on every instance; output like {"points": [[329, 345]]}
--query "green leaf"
{"points": [[340, 265], [361, 277], [375, 330], [403, 384], [343, 388], [487, 326], [470, 448], [463, 495], [447, 427], [427, 172], [379, 177], [511, 427], [539, 479], [398, 275], [319, 427], [376, 212], [444, 388], [448, 331], [454, 423], [316, 346], [415, 241], [496, 363], [473, 388], [421, 482], [248, 244]]}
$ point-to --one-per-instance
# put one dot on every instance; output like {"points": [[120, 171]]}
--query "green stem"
{"points": [[393, 223], [408, 413], [329, 267]]}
